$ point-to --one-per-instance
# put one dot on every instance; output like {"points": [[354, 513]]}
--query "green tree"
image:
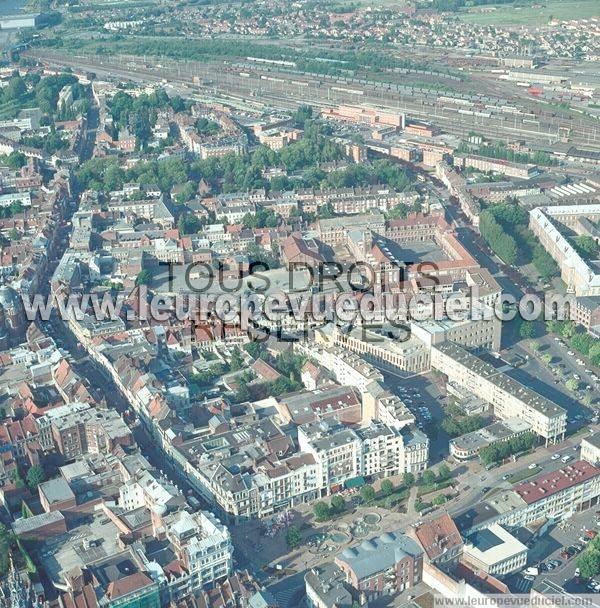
{"points": [[293, 537], [338, 504], [444, 472], [587, 247], [6, 539], [237, 360], [321, 511], [35, 476], [408, 479], [255, 349], [16, 160], [440, 499], [589, 561], [144, 277], [387, 487], [367, 493], [302, 115], [428, 477], [572, 384], [547, 358], [527, 330], [419, 505]]}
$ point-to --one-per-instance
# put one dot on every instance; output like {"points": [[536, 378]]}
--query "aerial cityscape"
{"points": [[299, 303]]}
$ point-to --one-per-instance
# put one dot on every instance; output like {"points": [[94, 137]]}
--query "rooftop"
{"points": [[493, 545], [547, 484], [510, 385], [379, 553]]}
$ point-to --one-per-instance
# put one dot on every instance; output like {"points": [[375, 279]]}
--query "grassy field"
{"points": [[514, 15]]}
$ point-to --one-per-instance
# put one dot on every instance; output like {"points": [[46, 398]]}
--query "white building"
{"points": [[347, 368], [509, 398], [495, 551], [582, 277], [204, 546], [590, 449]]}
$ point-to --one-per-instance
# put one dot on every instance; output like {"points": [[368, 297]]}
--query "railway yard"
{"points": [[265, 84]]}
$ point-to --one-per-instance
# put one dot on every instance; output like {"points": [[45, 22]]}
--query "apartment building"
{"points": [[80, 428], [590, 449], [470, 332], [382, 451], [547, 223], [439, 538], [204, 548], [336, 448], [495, 165], [326, 587], [347, 368], [411, 355], [559, 494], [334, 231], [384, 565], [509, 398]]}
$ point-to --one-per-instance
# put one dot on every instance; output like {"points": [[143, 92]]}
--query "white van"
{"points": [[566, 458]]}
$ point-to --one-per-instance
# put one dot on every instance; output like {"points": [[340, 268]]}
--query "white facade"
{"points": [[509, 398], [204, 545]]}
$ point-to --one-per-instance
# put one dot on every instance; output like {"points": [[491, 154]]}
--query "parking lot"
{"points": [[550, 379], [425, 396], [555, 555]]}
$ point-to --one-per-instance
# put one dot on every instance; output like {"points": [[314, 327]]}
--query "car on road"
{"points": [[557, 456], [532, 466], [507, 476]]}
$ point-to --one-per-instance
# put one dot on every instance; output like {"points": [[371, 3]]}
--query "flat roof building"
{"points": [[495, 551], [509, 398]]}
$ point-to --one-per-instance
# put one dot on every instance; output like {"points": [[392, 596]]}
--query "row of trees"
{"points": [[500, 151], [578, 339], [337, 505], [499, 451], [504, 228], [307, 59]]}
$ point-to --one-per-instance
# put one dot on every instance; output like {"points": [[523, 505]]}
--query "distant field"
{"points": [[511, 15]]}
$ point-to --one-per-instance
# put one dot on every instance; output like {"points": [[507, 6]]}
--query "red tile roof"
{"points": [[548, 484], [127, 584], [438, 536]]}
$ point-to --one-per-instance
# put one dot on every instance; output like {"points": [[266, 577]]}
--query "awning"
{"points": [[355, 482]]}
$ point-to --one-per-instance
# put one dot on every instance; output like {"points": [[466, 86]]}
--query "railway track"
{"points": [[267, 87]]}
